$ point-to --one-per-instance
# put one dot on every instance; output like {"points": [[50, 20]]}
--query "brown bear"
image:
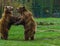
{"points": [[27, 20], [6, 21]]}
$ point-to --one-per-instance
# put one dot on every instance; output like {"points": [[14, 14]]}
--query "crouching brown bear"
{"points": [[6, 21], [27, 20]]}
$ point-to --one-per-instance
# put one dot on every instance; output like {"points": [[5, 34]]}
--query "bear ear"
{"points": [[5, 6], [23, 7]]}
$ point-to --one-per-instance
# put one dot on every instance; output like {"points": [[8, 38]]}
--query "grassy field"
{"points": [[46, 35]]}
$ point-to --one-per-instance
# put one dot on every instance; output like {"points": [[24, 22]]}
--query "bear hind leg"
{"points": [[32, 38], [26, 37], [4, 35]]}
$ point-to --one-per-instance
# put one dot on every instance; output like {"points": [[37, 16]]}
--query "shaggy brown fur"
{"points": [[6, 21], [29, 24]]}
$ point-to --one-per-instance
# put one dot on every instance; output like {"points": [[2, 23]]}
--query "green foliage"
{"points": [[38, 7], [0, 12]]}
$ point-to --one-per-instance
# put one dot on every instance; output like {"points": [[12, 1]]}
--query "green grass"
{"points": [[56, 22], [43, 37]]}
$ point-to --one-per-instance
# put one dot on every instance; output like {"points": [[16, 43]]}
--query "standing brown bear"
{"points": [[27, 20], [6, 21]]}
